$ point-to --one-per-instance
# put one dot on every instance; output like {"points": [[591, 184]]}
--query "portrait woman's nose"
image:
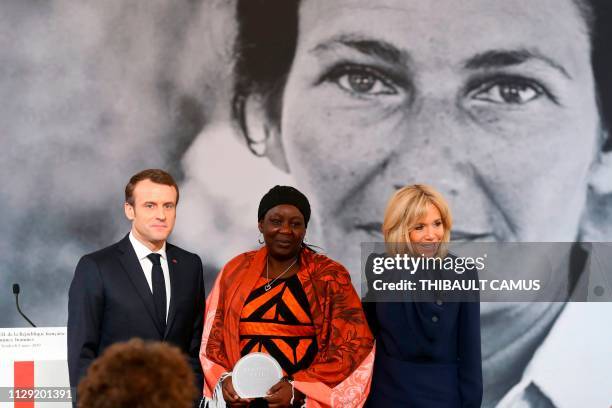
{"points": [[438, 144]]}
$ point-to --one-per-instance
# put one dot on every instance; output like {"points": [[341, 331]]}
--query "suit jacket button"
{"points": [[434, 319]]}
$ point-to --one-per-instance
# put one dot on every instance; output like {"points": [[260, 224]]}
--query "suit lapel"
{"points": [[130, 263], [174, 267]]}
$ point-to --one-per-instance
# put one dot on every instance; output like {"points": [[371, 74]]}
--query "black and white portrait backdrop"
{"points": [[505, 107]]}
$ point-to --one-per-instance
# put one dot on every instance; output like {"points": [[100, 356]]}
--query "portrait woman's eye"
{"points": [[361, 80], [510, 91]]}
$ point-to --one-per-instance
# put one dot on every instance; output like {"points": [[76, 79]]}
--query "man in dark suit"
{"points": [[141, 286]]}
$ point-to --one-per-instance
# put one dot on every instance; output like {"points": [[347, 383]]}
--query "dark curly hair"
{"points": [[137, 374], [266, 40]]}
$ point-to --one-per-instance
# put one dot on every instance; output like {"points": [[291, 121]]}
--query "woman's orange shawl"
{"points": [[341, 372]]}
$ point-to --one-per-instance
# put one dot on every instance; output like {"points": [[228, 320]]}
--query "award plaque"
{"points": [[254, 374]]}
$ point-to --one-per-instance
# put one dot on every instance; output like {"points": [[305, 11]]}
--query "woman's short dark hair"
{"points": [[267, 37]]}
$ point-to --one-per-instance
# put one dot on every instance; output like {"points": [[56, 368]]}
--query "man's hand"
{"points": [[231, 396]]}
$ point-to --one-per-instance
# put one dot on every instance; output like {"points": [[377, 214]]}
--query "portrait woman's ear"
{"points": [[597, 222], [263, 132]]}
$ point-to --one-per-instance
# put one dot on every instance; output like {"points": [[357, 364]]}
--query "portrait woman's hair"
{"points": [[404, 211], [263, 51]]}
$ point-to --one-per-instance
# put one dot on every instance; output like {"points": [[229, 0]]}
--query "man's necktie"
{"points": [[159, 289]]}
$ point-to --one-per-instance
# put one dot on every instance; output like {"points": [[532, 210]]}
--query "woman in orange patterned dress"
{"points": [[288, 301]]}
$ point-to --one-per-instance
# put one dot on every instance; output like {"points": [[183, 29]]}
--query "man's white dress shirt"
{"points": [[147, 266]]}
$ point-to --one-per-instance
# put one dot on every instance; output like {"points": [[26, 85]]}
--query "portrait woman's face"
{"points": [[491, 102]]}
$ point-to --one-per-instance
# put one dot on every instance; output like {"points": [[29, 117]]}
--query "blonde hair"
{"points": [[404, 210]]}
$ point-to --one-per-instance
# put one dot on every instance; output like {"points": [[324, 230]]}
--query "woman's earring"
{"points": [[260, 240]]}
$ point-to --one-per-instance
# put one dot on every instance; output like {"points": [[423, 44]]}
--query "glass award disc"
{"points": [[254, 374]]}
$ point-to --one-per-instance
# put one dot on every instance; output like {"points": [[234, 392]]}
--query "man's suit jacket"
{"points": [[110, 301]]}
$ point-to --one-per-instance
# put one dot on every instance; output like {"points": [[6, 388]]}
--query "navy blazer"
{"points": [[427, 353], [110, 301]]}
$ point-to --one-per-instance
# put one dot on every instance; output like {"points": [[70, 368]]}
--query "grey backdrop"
{"points": [[93, 92]]}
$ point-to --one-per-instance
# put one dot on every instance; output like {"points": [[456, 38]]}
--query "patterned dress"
{"points": [[278, 322]]}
